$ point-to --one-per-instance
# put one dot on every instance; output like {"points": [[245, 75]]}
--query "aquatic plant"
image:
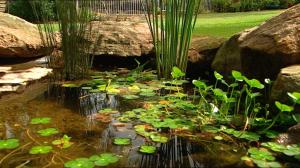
{"points": [[64, 142], [9, 144], [74, 22], [79, 163], [48, 132], [171, 24], [261, 157], [44, 120], [122, 141], [147, 149], [104, 159], [40, 150]]}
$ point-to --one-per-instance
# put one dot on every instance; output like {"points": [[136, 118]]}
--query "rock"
{"points": [[264, 50], [19, 38], [202, 52], [121, 38], [228, 57], [288, 80], [291, 137]]}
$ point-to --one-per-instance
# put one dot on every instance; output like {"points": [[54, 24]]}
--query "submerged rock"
{"points": [[19, 38], [264, 50]]}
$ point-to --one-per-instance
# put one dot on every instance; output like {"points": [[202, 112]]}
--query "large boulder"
{"points": [[19, 38], [265, 50], [202, 52], [121, 38], [288, 80]]}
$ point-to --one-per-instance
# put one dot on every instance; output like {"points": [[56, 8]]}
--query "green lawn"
{"points": [[227, 24]]}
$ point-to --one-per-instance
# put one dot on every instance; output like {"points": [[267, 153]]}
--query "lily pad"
{"points": [[9, 144], [44, 120], [159, 138], [48, 132], [122, 141], [70, 85], [219, 138], [104, 159], [108, 110], [40, 150], [79, 163], [130, 97], [147, 149]]}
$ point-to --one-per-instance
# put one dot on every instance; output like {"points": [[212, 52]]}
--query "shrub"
{"points": [[23, 9]]}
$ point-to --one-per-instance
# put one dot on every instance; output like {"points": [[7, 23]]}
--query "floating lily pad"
{"points": [[9, 144], [122, 141], [70, 85], [79, 163], [130, 97], [134, 89], [64, 142], [108, 110], [104, 159], [40, 150], [44, 120], [147, 149], [48, 132], [260, 154], [159, 138]]}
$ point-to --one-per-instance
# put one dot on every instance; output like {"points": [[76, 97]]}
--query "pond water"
{"points": [[72, 113]]}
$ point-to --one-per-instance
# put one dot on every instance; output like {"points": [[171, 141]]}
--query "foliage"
{"points": [[147, 149], [64, 142], [104, 159], [261, 157], [40, 150], [172, 32], [122, 141], [75, 29], [79, 163], [48, 132], [23, 9], [44, 120], [9, 144]]}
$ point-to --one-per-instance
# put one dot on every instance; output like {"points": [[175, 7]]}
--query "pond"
{"points": [[73, 112]]}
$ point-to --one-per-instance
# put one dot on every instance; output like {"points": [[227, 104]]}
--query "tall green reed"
{"points": [[74, 22], [171, 23]]}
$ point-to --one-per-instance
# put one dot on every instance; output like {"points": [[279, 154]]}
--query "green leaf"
{"points": [[199, 84], [219, 138], [130, 97], [79, 163], [104, 159], [177, 73], [218, 76], [9, 144], [40, 150], [254, 83], [159, 138], [283, 107], [44, 120], [147, 149], [295, 96], [48, 132], [70, 85], [64, 142], [122, 141], [237, 76]]}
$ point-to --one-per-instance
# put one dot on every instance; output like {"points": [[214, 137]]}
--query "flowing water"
{"points": [[71, 112]]}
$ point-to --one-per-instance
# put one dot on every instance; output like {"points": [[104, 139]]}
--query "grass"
{"points": [[227, 24]]}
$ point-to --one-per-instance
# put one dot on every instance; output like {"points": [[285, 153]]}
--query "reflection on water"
{"points": [[71, 111]]}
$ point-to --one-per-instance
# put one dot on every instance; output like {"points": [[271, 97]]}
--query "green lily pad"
{"points": [[130, 97], [107, 110], [40, 150], [159, 138], [70, 85], [104, 159], [9, 144], [219, 138], [259, 154], [79, 163], [274, 146], [44, 120], [48, 132], [122, 141], [147, 149]]}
